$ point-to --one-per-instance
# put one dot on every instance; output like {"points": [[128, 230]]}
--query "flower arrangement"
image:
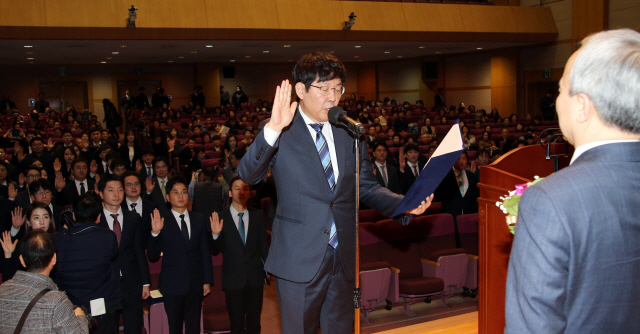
{"points": [[509, 204]]}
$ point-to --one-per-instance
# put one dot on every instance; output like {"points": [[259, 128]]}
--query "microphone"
{"points": [[338, 116]]}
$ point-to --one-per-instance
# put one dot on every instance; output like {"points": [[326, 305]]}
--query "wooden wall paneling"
{"points": [[23, 13], [169, 14], [589, 16], [310, 15], [432, 17], [488, 18], [249, 14], [504, 73], [373, 16], [208, 75], [79, 13]]}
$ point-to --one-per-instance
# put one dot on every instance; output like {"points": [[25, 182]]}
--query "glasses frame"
{"points": [[326, 90]]}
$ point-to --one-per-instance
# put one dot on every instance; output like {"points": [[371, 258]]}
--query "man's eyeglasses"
{"points": [[45, 192], [132, 184], [324, 90]]}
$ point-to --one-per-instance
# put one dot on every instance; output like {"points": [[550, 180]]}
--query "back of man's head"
{"points": [[87, 208], [607, 69], [238, 154], [37, 250]]}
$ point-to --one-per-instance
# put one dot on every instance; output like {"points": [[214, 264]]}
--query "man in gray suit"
{"points": [[312, 253], [575, 255]]}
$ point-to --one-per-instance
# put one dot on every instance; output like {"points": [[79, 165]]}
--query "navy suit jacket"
{"points": [[131, 260], [575, 255], [306, 204], [145, 221], [392, 177], [156, 194], [242, 263], [182, 263]]}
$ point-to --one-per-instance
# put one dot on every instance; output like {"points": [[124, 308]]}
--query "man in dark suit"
{"points": [[156, 187], [438, 99], [386, 175], [314, 229], [85, 269], [142, 100], [146, 169], [127, 101], [243, 243], [135, 203], [575, 253], [31, 173], [410, 163], [208, 194], [198, 97], [42, 104], [38, 152], [79, 186], [458, 191], [131, 263], [186, 275]]}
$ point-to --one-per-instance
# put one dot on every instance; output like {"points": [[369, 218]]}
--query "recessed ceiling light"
{"points": [[28, 46], [290, 60], [232, 60], [29, 53], [287, 46], [30, 58], [387, 52], [437, 51], [169, 61], [123, 46], [247, 56], [399, 56], [421, 47], [479, 48], [265, 51], [180, 57], [356, 56], [109, 57], [194, 51], [209, 46], [103, 62], [115, 53], [358, 46]]}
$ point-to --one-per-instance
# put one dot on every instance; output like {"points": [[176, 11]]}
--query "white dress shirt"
{"points": [[271, 137], [138, 207], [85, 183], [107, 216], [186, 219], [234, 215]]}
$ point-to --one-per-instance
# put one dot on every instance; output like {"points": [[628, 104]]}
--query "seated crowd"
{"points": [[51, 162]]}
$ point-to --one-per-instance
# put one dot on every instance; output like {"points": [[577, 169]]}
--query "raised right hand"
{"points": [[216, 223], [157, 222], [8, 246], [283, 110], [149, 184], [17, 219]]}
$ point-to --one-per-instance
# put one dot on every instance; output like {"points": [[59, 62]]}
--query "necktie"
{"points": [[325, 158], [164, 191], [117, 229], [183, 227], [133, 207], [149, 174], [82, 190], [415, 171], [241, 227], [383, 173], [461, 184]]}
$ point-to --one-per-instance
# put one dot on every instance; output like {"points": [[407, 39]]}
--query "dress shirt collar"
{"points": [[186, 219], [109, 218], [138, 205], [583, 148]]}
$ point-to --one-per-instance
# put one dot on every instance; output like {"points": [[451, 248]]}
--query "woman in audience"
{"points": [[513, 118], [206, 138], [469, 140], [5, 179], [383, 117], [130, 151], [390, 133], [428, 128], [38, 216], [486, 143], [461, 124], [495, 115], [443, 120], [506, 123], [230, 145], [68, 155], [76, 126]]}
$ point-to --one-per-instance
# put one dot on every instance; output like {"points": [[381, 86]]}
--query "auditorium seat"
{"points": [[370, 216], [468, 230], [375, 274]]}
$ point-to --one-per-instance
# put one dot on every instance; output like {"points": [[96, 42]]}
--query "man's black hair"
{"points": [[239, 153], [173, 181], [35, 186], [108, 178], [37, 250], [66, 131], [116, 163], [77, 160], [130, 173], [35, 139], [320, 66], [163, 159], [111, 155], [87, 208], [378, 142], [411, 146]]}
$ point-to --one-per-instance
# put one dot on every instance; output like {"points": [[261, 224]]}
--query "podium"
{"points": [[496, 180]]}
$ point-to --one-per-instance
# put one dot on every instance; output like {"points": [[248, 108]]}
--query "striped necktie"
{"points": [[325, 157]]}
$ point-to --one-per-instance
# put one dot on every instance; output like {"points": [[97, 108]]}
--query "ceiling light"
{"points": [[247, 56], [115, 53], [265, 51], [103, 62], [232, 60], [437, 51], [387, 52], [123, 46], [209, 46], [29, 53], [356, 56], [30, 58], [399, 56], [287, 46], [109, 57], [479, 48], [290, 60], [169, 61], [180, 57], [421, 47], [358, 46], [28, 46], [194, 51]]}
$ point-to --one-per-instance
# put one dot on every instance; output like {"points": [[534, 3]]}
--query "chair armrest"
{"points": [[473, 257], [429, 262], [395, 270]]}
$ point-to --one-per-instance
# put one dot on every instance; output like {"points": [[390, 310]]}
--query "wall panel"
{"points": [[468, 70]]}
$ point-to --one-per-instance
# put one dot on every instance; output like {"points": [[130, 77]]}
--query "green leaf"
{"points": [[511, 204]]}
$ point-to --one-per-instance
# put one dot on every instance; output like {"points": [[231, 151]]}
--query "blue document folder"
{"points": [[434, 171]]}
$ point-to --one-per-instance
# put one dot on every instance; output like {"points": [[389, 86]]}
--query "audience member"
{"points": [[386, 175], [458, 191]]}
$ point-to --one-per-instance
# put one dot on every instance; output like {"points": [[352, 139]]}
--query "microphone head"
{"points": [[334, 113]]}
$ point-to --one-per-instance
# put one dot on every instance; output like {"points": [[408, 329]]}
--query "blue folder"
{"points": [[434, 171]]}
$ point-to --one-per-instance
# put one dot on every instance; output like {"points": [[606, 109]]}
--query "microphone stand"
{"points": [[356, 291], [551, 139]]}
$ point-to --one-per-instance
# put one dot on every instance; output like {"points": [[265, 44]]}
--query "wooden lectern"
{"points": [[496, 180]]}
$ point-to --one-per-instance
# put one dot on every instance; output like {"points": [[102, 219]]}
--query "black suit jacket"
{"points": [[131, 260], [70, 194], [407, 178], [156, 194], [392, 177], [137, 155], [242, 263], [127, 102], [145, 221], [142, 101], [449, 194], [184, 265]]}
